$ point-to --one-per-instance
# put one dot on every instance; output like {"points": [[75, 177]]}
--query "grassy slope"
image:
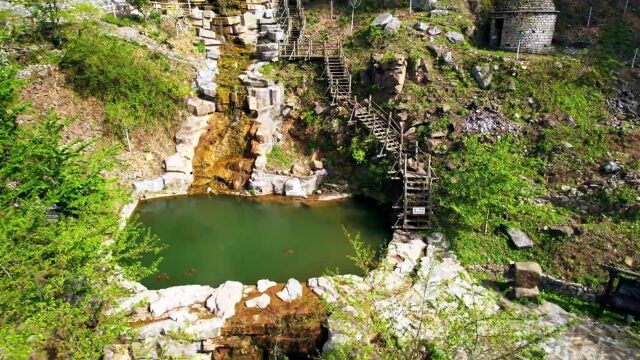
{"points": [[560, 87]]}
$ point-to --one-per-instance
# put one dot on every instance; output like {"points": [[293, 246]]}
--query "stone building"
{"points": [[530, 21]]}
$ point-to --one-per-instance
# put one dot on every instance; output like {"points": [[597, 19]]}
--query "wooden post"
{"points": [[411, 7], [626, 5], [332, 10], [589, 19], [635, 56]]}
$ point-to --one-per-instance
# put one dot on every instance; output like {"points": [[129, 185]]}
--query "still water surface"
{"points": [[213, 239]]}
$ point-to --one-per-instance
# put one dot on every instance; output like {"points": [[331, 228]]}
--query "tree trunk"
{"points": [[353, 10], [126, 134]]}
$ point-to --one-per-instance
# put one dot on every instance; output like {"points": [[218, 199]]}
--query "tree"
{"points": [[354, 4], [46, 15], [141, 5], [57, 268]]}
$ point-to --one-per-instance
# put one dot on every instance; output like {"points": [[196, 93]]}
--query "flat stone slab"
{"points": [[382, 19]]}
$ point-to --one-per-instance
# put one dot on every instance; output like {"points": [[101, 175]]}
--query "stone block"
{"points": [[524, 293], [208, 34], [200, 107], [527, 274]]}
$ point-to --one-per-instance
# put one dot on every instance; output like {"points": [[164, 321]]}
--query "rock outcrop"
{"points": [[388, 74]]}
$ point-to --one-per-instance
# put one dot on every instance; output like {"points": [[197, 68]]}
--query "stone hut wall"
{"points": [[538, 28]]}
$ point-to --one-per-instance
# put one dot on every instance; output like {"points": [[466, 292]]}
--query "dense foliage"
{"points": [[61, 245], [140, 89]]}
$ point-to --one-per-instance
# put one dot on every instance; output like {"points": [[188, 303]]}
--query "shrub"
{"points": [[57, 273], [140, 89]]}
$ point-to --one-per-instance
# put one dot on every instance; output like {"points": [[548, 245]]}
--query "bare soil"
{"points": [[86, 123]]}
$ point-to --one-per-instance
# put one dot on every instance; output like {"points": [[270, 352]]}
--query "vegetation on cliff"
{"points": [[62, 247]]}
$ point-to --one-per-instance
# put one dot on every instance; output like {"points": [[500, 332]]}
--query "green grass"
{"points": [[280, 159], [140, 89]]}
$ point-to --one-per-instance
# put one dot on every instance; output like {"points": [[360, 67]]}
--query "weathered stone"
{"points": [[561, 230], [179, 296], [117, 352], [434, 31], [455, 37], [205, 329], [176, 349], [519, 238], [439, 12], [611, 167], [316, 165], [223, 301], [213, 54], [393, 26], [298, 169], [292, 187], [420, 26], [150, 185], [200, 107], [292, 291], [527, 274], [265, 284], [483, 75], [382, 19], [156, 328], [260, 302], [207, 34], [525, 293], [144, 350]]}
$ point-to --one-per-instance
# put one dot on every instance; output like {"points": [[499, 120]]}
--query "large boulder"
{"points": [[178, 296], [393, 26], [382, 19], [223, 301]]}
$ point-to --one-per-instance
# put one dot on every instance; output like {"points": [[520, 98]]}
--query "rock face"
{"points": [[414, 282], [387, 74], [264, 183], [483, 75]]}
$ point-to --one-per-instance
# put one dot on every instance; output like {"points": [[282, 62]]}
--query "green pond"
{"points": [[211, 239]]}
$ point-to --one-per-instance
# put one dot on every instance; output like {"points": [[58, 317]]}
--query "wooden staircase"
{"points": [[411, 165]]}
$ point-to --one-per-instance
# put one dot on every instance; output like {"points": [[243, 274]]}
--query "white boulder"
{"points": [[292, 291], [265, 284], [223, 301], [260, 302]]}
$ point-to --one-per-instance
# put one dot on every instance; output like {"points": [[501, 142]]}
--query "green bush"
{"points": [[140, 89], [56, 273], [489, 187]]}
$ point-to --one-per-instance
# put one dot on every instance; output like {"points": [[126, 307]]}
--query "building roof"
{"points": [[525, 6]]}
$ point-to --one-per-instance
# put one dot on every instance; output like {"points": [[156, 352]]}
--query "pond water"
{"points": [[213, 239]]}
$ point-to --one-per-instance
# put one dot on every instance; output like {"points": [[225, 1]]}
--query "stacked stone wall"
{"points": [[538, 29]]}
